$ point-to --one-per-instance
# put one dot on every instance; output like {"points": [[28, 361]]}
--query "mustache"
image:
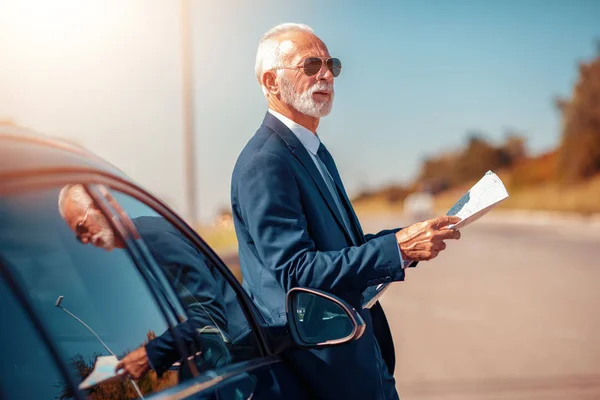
{"points": [[319, 86]]}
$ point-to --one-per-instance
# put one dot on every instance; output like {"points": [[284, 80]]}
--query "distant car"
{"points": [[419, 206], [66, 308]]}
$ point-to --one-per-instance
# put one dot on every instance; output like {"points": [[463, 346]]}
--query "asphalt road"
{"points": [[510, 311]]}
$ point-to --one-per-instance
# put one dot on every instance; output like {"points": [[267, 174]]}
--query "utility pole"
{"points": [[189, 153]]}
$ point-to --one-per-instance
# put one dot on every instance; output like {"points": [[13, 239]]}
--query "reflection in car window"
{"points": [[320, 319], [25, 358], [220, 331], [92, 298]]}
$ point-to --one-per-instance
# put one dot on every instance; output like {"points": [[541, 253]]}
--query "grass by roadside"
{"points": [[224, 242], [376, 206], [582, 198], [221, 239]]}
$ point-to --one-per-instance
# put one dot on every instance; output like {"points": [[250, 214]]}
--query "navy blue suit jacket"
{"points": [[291, 234], [204, 293]]}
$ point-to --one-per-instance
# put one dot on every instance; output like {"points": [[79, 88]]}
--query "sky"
{"points": [[417, 77]]}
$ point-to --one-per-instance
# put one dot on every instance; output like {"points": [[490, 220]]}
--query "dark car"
{"points": [[75, 299]]}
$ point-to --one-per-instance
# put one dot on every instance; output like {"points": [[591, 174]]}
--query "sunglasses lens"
{"points": [[81, 229], [335, 66], [312, 66]]}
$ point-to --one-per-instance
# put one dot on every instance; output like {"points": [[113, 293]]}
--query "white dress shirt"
{"points": [[311, 143]]}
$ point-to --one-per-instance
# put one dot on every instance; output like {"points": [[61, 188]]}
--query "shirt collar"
{"points": [[308, 139]]}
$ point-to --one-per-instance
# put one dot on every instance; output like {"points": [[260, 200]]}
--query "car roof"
{"points": [[24, 152]]}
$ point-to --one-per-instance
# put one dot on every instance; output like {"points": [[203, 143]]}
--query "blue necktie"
{"points": [[324, 158]]}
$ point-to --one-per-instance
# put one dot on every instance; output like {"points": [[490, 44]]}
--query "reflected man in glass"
{"points": [[205, 332]]}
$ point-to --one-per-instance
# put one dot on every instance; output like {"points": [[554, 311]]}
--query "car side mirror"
{"points": [[319, 319]]}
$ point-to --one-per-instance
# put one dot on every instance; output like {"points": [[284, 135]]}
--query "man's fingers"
{"points": [[121, 369], [445, 221], [439, 246], [444, 234]]}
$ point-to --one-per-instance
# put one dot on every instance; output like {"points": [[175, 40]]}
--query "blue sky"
{"points": [[417, 76]]}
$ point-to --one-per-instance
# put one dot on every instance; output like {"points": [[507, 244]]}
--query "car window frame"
{"points": [[52, 180], [163, 290], [269, 355], [253, 316], [47, 180]]}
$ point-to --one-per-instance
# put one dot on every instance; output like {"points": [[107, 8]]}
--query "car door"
{"points": [[233, 344], [71, 305], [90, 284]]}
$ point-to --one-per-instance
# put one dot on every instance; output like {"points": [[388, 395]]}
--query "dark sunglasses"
{"points": [[81, 229], [313, 65]]}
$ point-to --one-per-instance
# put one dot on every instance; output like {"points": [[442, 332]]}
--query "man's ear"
{"points": [[269, 82]]}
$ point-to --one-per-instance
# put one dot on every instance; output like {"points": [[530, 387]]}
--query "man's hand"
{"points": [[134, 364], [424, 240]]}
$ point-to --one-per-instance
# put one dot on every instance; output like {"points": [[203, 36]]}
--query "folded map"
{"points": [[104, 369], [478, 201]]}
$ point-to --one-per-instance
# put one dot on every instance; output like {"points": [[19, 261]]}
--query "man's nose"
{"points": [[325, 74]]}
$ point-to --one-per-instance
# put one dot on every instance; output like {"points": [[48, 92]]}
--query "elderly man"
{"points": [[200, 290], [296, 226]]}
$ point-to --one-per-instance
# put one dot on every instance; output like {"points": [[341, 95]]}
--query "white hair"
{"points": [[268, 55], [76, 193], [103, 235]]}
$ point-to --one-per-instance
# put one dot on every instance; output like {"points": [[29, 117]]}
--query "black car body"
{"points": [[64, 305]]}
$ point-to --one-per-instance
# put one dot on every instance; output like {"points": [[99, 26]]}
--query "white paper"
{"points": [[373, 293], [477, 202], [104, 369]]}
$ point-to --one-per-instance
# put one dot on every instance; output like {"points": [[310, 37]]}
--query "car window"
{"points": [[221, 333], [25, 358], [84, 286]]}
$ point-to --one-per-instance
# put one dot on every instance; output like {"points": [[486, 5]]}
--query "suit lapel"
{"points": [[298, 150]]}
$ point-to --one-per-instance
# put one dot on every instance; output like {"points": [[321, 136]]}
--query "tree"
{"points": [[117, 388], [456, 168], [579, 151]]}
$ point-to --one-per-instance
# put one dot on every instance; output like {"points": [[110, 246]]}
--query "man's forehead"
{"points": [[297, 45], [72, 209]]}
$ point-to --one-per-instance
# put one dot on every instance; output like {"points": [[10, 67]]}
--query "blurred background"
{"points": [[432, 95]]}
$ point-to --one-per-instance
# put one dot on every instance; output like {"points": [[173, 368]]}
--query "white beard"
{"points": [[105, 239], [304, 102]]}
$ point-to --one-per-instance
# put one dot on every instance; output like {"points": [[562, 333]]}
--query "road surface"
{"points": [[510, 311]]}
